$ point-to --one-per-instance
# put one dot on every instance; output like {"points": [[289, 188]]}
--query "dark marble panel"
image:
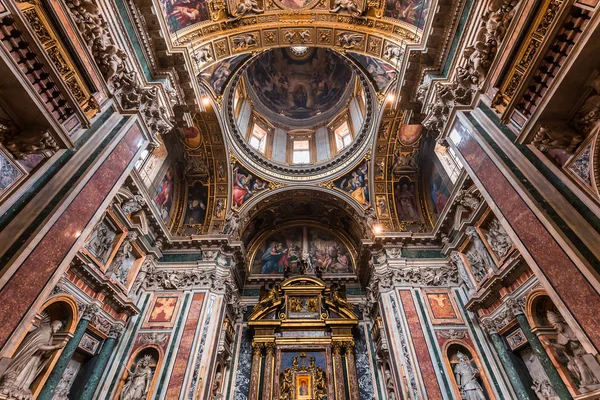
{"points": [[364, 373], [244, 367]]}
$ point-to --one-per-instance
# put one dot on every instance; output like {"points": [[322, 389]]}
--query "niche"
{"points": [[467, 374], [138, 379]]}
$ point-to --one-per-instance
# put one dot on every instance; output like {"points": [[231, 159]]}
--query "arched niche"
{"points": [[538, 307], [139, 378], [61, 308], [452, 351]]}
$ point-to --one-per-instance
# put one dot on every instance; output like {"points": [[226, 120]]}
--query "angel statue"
{"points": [[29, 360], [138, 381], [243, 7], [466, 378]]}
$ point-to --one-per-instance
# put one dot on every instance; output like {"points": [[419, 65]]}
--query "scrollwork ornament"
{"points": [[90, 311]]}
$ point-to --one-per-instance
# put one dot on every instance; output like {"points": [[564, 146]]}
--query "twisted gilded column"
{"points": [[255, 374], [269, 369], [351, 369], [61, 365], [338, 371]]}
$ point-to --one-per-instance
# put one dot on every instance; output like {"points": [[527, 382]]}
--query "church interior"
{"points": [[299, 199]]}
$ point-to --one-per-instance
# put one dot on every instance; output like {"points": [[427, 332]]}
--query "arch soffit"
{"points": [[72, 305]]}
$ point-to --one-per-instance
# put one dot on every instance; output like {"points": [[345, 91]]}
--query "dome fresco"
{"points": [[299, 86]]}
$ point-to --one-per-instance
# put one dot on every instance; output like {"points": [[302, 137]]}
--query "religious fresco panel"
{"points": [[356, 184], [180, 14], [299, 86], [218, 74], [245, 186], [197, 198], [284, 248], [440, 188], [413, 12], [163, 194], [380, 72]]}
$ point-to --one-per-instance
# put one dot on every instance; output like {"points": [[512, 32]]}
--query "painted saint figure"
{"points": [[273, 261]]}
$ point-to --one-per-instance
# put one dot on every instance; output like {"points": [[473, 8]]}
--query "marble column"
{"points": [[538, 349], [338, 372], [255, 374], [513, 374], [351, 369], [61, 365], [102, 359], [269, 369]]}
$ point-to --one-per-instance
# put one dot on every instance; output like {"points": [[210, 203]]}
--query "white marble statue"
{"points": [[569, 344], [482, 252], [466, 378], [462, 271], [389, 385], [138, 381], [29, 360]]}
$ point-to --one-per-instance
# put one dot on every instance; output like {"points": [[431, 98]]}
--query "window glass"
{"points": [[301, 152]]}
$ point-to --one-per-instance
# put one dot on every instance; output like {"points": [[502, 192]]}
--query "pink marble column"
{"points": [[255, 374], [351, 368], [338, 372], [269, 368]]}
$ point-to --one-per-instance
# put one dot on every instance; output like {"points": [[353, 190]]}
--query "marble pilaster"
{"points": [[102, 360], [255, 374], [338, 371], [351, 369], [63, 361]]}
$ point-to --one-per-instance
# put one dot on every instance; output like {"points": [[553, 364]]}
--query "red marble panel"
{"points": [[32, 276], [441, 306], [163, 309], [185, 346], [421, 349], [570, 284]]}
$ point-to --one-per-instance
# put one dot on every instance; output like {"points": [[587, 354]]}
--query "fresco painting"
{"points": [[163, 197], [413, 12], [406, 200], [195, 212], [356, 184], [217, 75], [299, 86], [284, 248], [183, 13], [441, 187], [245, 185], [380, 72]]}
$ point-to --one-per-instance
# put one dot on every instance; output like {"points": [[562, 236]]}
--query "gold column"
{"points": [[255, 375], [269, 369], [338, 372], [351, 369]]}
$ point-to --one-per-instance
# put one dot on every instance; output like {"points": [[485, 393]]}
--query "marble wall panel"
{"points": [[33, 275], [570, 284], [364, 372], [244, 367]]}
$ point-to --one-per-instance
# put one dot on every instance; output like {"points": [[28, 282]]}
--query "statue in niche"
{"points": [[232, 223], [477, 266], [466, 378], [217, 386], [498, 238], [571, 347], [544, 390], [468, 200], [480, 249], [462, 271], [29, 360], [389, 384], [119, 268], [100, 241], [146, 268], [138, 382], [133, 205]]}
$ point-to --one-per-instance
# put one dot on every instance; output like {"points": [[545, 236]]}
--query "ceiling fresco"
{"points": [[299, 86], [413, 12], [217, 75], [183, 13], [380, 72]]}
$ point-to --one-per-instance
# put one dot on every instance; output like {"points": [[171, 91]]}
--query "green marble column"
{"points": [[513, 375], [100, 365], [555, 380], [60, 366]]}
